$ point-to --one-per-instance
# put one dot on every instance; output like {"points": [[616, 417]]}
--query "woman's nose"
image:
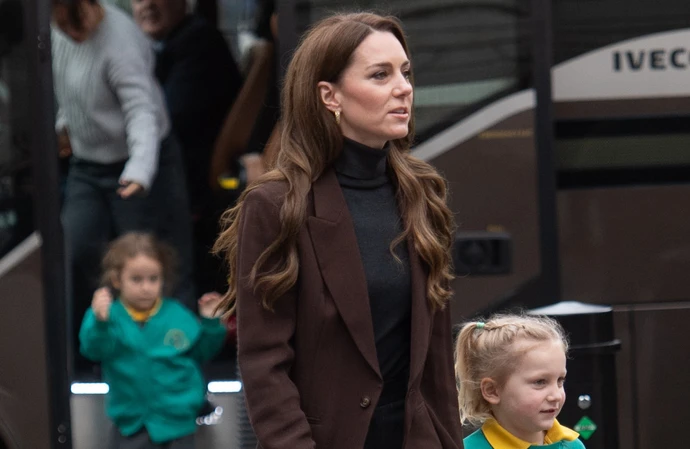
{"points": [[403, 87]]}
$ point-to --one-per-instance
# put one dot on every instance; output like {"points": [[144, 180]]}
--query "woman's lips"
{"points": [[401, 113]]}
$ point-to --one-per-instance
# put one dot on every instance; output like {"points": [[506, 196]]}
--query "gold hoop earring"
{"points": [[337, 117]]}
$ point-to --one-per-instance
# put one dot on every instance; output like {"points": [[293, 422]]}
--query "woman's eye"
{"points": [[379, 75], [407, 74]]}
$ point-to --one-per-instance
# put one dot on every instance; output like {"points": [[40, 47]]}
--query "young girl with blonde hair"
{"points": [[511, 371]]}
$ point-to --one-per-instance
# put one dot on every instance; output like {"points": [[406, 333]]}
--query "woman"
{"points": [[112, 120], [342, 258]]}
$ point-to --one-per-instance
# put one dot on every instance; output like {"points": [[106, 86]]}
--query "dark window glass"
{"points": [[593, 153], [584, 25], [16, 214]]}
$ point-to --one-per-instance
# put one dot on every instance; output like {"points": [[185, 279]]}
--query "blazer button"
{"points": [[365, 402]]}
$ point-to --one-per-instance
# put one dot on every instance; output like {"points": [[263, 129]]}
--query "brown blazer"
{"points": [[310, 371]]}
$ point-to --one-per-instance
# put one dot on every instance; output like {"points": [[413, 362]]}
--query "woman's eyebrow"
{"points": [[387, 65]]}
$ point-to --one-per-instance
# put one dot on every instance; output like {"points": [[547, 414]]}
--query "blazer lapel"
{"points": [[421, 315], [335, 244]]}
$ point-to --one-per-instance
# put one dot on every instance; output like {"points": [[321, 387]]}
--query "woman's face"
{"points": [[374, 93]]}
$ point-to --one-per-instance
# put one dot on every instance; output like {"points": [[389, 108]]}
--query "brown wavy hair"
{"points": [[310, 142]]}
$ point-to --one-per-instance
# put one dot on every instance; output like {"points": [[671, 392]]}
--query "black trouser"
{"points": [[387, 426]]}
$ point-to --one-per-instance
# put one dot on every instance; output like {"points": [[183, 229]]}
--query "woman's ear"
{"points": [[490, 391], [329, 95]]}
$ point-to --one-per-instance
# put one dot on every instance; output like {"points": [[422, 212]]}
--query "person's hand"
{"points": [[254, 166], [129, 189], [208, 305], [64, 145], [101, 303]]}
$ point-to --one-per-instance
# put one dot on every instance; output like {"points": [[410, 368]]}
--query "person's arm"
{"points": [[440, 387], [265, 352], [131, 78], [60, 121], [211, 340], [213, 331], [236, 130], [95, 339]]}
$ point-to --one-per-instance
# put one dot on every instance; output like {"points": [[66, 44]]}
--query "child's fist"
{"points": [[208, 305], [102, 300]]}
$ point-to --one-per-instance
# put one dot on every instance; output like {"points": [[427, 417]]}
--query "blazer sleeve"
{"points": [[440, 387], [265, 352]]}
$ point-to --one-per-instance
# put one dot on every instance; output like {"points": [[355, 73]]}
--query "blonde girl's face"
{"points": [[140, 282], [533, 395]]}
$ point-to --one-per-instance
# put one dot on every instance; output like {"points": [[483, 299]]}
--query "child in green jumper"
{"points": [[511, 371], [150, 347]]}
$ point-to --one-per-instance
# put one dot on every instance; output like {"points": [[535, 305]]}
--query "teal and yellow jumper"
{"points": [[152, 365]]}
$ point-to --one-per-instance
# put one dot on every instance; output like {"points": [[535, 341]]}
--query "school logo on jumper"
{"points": [[177, 339]]}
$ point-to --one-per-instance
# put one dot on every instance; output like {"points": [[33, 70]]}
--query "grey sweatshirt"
{"points": [[108, 98]]}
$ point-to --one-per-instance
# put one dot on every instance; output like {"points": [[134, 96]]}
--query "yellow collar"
{"points": [[141, 317], [500, 438]]}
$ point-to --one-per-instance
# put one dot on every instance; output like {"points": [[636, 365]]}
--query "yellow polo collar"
{"points": [[140, 317], [500, 438]]}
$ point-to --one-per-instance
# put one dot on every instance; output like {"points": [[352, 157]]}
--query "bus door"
{"points": [[34, 389]]}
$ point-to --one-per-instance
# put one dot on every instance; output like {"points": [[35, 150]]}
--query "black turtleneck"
{"points": [[370, 195]]}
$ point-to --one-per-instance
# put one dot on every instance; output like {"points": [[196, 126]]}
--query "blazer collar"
{"points": [[335, 244]]}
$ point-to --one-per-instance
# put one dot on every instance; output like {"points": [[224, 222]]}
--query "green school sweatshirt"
{"points": [[153, 370]]}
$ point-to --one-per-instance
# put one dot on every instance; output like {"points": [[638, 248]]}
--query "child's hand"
{"points": [[208, 305], [102, 300]]}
